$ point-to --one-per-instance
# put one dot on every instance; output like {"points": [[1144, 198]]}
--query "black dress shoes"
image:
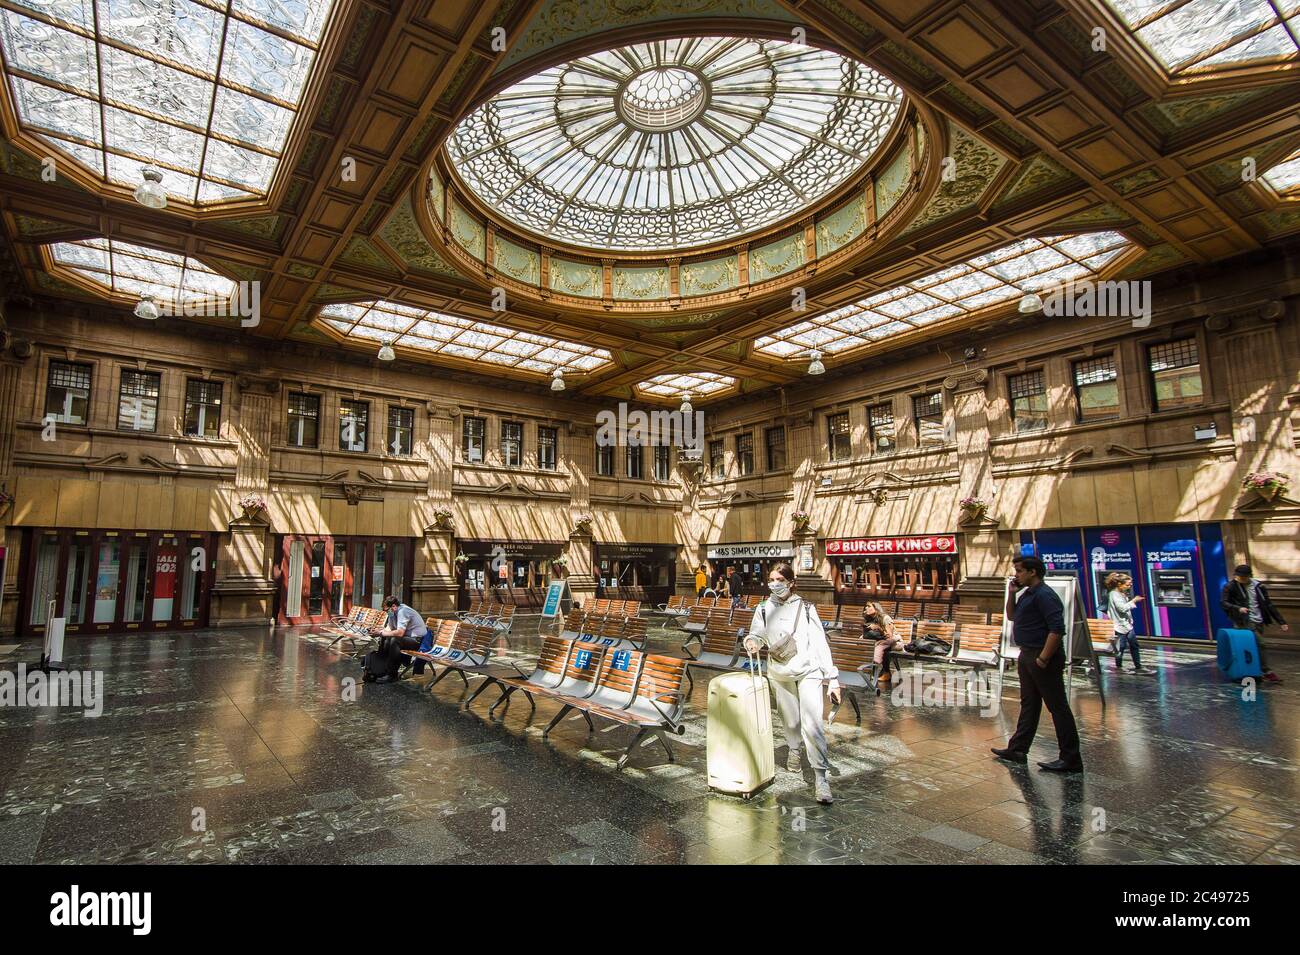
{"points": [[1010, 755], [1060, 766]]}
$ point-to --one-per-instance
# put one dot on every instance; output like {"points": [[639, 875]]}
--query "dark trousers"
{"points": [[1258, 628], [1039, 685], [394, 646], [1121, 641]]}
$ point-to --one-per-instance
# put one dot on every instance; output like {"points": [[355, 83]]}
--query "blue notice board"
{"points": [[554, 595]]}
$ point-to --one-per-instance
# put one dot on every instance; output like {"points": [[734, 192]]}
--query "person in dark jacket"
{"points": [[1247, 604], [1038, 629]]}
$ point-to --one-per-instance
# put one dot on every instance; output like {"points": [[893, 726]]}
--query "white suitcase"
{"points": [[739, 743]]}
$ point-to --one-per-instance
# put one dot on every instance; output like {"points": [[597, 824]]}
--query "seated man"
{"points": [[405, 631]]}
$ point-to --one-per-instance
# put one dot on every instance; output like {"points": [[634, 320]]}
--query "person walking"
{"points": [[800, 669], [1038, 626], [1119, 607], [1248, 605]]}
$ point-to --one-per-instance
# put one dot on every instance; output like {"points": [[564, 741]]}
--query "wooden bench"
{"points": [[357, 626], [908, 609], [676, 606], [936, 610], [852, 657], [962, 615], [464, 649], [1102, 632], [978, 645]]}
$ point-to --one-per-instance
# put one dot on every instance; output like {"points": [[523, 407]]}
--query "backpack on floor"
{"points": [[381, 662]]}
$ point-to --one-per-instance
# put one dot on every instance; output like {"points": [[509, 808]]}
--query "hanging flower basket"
{"points": [[1267, 484], [559, 565], [972, 509], [252, 505], [442, 518], [801, 520], [582, 523], [461, 560]]}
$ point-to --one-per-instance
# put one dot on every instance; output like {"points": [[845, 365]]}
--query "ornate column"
{"points": [[982, 572], [814, 583], [244, 588], [435, 585], [581, 553]]}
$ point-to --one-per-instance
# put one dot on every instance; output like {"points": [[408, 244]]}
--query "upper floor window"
{"points": [[717, 463], [304, 420], [203, 408], [880, 427], [635, 461], [1176, 374], [67, 393], [137, 401], [928, 410], [472, 436], [401, 430], [1028, 401], [1096, 388], [512, 443], [605, 460], [745, 453], [354, 416], [774, 438], [663, 462], [546, 442], [838, 437]]}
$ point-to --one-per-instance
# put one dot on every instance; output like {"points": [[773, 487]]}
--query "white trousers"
{"points": [[800, 705]]}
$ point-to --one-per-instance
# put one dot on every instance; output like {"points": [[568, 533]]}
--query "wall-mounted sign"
{"points": [[805, 557], [761, 551], [653, 552], [510, 549], [857, 546]]}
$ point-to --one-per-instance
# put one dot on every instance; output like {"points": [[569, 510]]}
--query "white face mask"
{"points": [[780, 589]]}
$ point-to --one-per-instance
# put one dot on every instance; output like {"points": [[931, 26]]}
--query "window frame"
{"points": [[516, 442], [203, 407], [780, 447], [1023, 422], [291, 416], [872, 425], [89, 387], [663, 455], [634, 452], [365, 425], [718, 461], [1080, 413], [156, 397], [395, 428], [918, 419], [743, 454], [548, 437], [605, 460], [1152, 372], [832, 434], [467, 436]]}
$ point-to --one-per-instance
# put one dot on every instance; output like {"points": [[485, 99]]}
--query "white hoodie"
{"points": [[813, 653]]}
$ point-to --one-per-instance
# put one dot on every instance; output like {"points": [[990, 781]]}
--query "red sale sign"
{"points": [[928, 544]]}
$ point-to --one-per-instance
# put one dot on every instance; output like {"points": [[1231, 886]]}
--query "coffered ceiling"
{"points": [[1026, 121]]}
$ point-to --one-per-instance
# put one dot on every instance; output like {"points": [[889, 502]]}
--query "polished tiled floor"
{"points": [[242, 746]]}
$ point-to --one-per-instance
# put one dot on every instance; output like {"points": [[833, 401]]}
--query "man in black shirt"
{"points": [[1038, 625]]}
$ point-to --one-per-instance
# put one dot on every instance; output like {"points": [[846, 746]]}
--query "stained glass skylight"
{"points": [[696, 384], [1285, 176], [135, 271], [206, 90], [406, 326], [1205, 35], [673, 144], [994, 278]]}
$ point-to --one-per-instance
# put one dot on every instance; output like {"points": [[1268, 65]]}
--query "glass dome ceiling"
{"points": [[1191, 36], [134, 270], [407, 326], [673, 144], [204, 89], [697, 383]]}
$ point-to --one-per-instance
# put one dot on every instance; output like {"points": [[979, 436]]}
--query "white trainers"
{"points": [[794, 761], [824, 790]]}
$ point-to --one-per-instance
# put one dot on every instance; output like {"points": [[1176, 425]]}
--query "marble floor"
{"points": [[255, 746]]}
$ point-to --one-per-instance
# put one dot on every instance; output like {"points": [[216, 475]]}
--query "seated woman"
{"points": [[879, 626]]}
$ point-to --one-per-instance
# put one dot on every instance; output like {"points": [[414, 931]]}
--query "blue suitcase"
{"points": [[1238, 653]]}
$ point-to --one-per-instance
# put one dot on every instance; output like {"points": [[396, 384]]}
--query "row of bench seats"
{"points": [[355, 627], [679, 606], [627, 687], [622, 608], [604, 629], [498, 615], [904, 591]]}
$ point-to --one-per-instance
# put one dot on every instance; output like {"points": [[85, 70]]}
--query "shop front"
{"points": [[752, 562], [645, 572], [917, 567], [1179, 568], [515, 572], [321, 576], [115, 581]]}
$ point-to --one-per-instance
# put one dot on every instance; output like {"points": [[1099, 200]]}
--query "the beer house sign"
{"points": [[890, 546]]}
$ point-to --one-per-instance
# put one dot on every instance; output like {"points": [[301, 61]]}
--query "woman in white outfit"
{"points": [[800, 667]]}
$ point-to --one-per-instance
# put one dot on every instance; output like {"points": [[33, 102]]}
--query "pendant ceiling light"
{"points": [[686, 407], [146, 308], [815, 366], [386, 352], [1030, 303], [150, 192], [557, 380]]}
